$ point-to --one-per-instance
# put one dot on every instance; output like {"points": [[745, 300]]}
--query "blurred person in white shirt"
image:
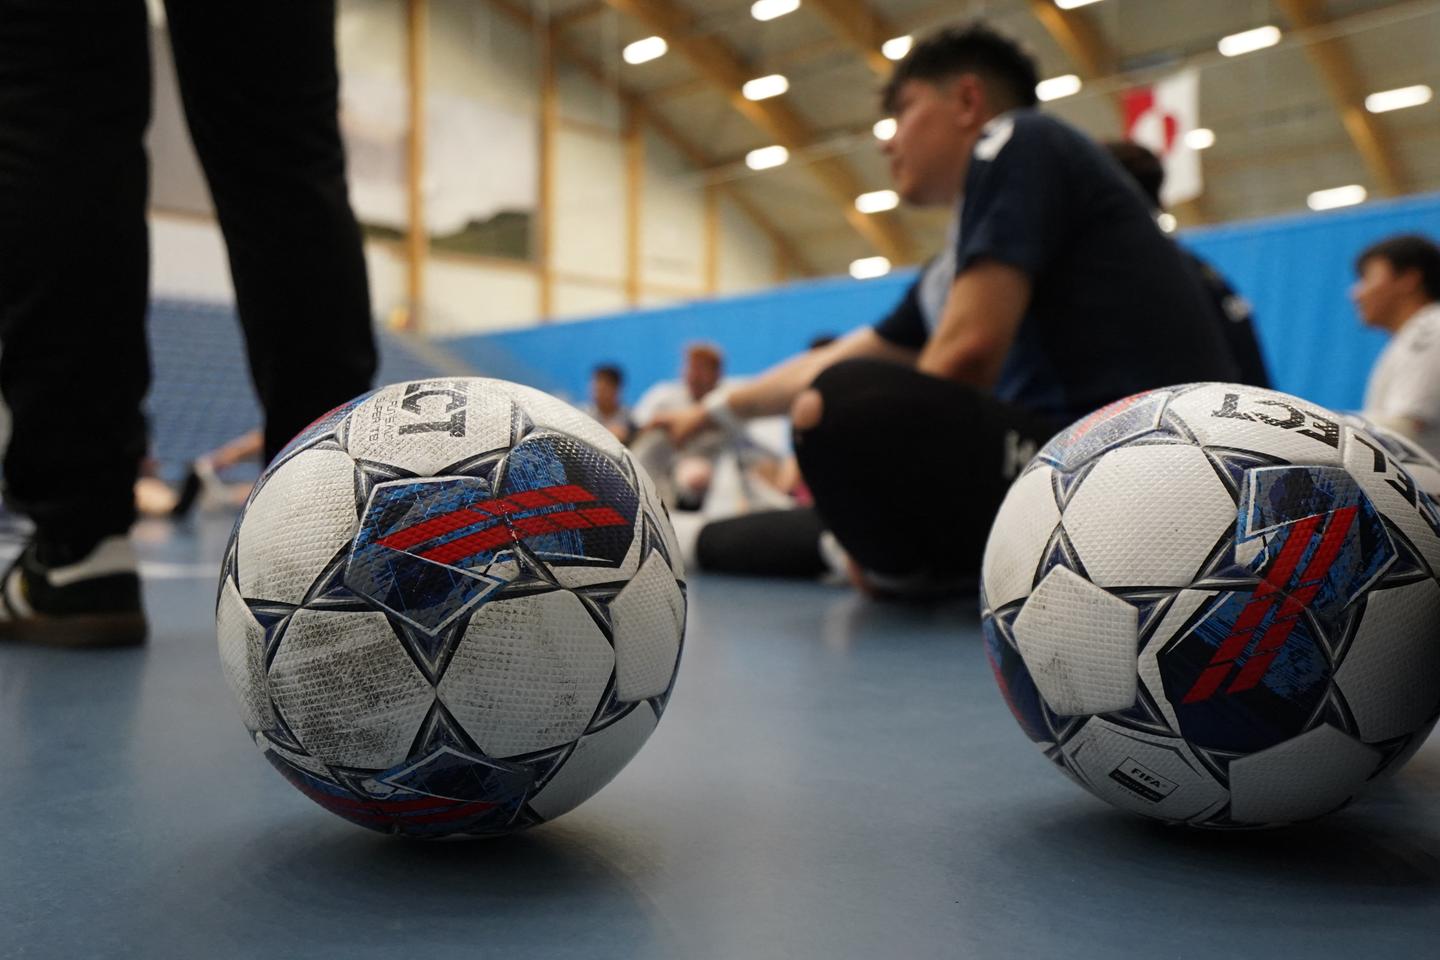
{"points": [[1398, 291], [682, 472]]}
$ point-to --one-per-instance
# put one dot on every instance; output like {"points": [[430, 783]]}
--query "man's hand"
{"points": [[681, 425]]}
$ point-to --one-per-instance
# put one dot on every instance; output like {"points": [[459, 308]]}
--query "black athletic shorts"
{"points": [[907, 470]]}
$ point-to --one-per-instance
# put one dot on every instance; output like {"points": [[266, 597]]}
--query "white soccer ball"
{"points": [[1218, 605], [452, 606]]}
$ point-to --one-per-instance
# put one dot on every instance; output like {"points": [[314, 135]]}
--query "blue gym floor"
{"points": [[833, 779]]}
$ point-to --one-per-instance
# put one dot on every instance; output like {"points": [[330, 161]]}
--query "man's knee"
{"points": [[825, 399]]}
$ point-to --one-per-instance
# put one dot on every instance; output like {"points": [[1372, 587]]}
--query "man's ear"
{"points": [[1410, 281], [970, 100]]}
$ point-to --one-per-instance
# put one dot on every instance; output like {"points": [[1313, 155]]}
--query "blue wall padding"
{"points": [[1295, 270], [200, 391], [755, 331]]}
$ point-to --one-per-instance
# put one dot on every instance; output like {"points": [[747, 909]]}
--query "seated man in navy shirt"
{"points": [[1058, 295]]}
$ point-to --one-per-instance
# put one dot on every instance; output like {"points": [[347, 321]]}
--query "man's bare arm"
{"points": [[773, 391], [982, 315]]}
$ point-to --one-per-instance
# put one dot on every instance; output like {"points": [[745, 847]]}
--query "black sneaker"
{"points": [[93, 602], [190, 489]]}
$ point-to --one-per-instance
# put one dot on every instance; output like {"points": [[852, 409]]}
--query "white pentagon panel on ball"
{"points": [[347, 688], [1148, 516], [1018, 538], [295, 525], [1423, 467], [1303, 777], [529, 673], [1078, 642], [652, 505], [242, 656], [647, 618], [597, 758], [1151, 775], [555, 414], [1391, 489], [1391, 673], [425, 425], [1264, 421]]}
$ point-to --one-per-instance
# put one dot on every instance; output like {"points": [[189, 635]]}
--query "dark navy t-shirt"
{"points": [[1114, 308]]}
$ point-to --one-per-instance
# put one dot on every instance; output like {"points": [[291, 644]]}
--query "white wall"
{"points": [[747, 255], [589, 214], [672, 222], [463, 295], [479, 54]]}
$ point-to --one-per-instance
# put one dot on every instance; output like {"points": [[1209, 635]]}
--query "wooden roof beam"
{"points": [[854, 22], [565, 50], [1342, 81], [724, 68]]}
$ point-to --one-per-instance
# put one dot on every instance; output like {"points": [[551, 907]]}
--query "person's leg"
{"points": [[908, 470], [260, 85], [768, 543], [74, 258], [74, 103]]}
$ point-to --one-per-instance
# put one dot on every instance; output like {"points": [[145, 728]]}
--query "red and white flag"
{"points": [[1158, 117]]}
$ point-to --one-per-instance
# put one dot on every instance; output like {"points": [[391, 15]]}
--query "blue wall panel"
{"points": [[755, 331], [1295, 271]]}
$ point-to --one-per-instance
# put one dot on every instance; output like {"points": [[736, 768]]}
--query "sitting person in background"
{"points": [[682, 469], [606, 382], [1237, 320], [203, 483], [1398, 291], [1057, 296]]}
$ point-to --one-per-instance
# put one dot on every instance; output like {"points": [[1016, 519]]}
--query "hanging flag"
{"points": [[1158, 117]]}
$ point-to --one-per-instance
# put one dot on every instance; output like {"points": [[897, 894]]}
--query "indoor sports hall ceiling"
{"points": [[1276, 112]]}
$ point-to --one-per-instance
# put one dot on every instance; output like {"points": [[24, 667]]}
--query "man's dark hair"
{"points": [[1143, 166], [1009, 72], [823, 340], [609, 371], [1409, 251]]}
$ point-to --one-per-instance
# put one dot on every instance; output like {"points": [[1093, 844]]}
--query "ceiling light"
{"points": [[1057, 87], [885, 129], [767, 157], [770, 9], [1398, 99], [896, 47], [877, 201], [762, 88], [1249, 41], [643, 51], [1345, 196], [868, 268], [1201, 138], [1167, 222], [1072, 4]]}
